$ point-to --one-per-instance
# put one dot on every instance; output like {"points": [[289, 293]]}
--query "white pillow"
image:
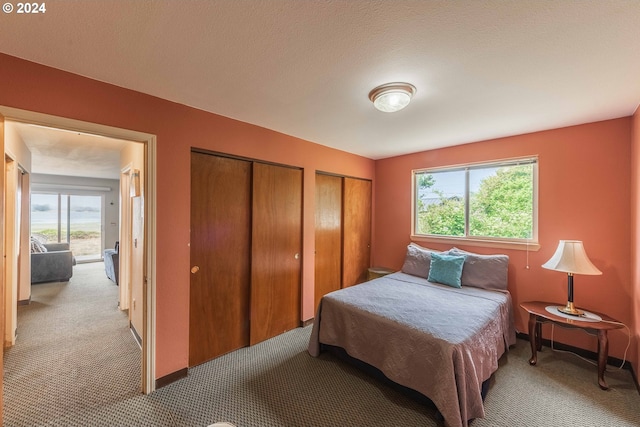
{"points": [[37, 247]]}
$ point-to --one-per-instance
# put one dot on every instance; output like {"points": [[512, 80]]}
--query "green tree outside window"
{"points": [[501, 205]]}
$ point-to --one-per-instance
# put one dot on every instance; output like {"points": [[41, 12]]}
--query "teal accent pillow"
{"points": [[446, 269]]}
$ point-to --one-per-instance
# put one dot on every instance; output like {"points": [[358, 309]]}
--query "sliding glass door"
{"points": [[45, 219], [76, 219]]}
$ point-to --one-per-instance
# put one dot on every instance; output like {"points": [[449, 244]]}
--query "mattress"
{"points": [[441, 341]]}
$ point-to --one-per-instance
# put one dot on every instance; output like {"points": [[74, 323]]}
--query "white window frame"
{"points": [[493, 242]]}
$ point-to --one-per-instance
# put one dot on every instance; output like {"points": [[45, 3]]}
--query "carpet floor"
{"points": [[72, 370], [74, 351]]}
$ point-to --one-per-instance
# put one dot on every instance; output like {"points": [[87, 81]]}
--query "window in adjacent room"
{"points": [[76, 219], [488, 201]]}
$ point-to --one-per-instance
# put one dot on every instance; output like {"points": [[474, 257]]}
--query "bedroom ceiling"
{"points": [[482, 69]]}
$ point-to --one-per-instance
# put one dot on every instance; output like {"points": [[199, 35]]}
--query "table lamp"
{"points": [[571, 258]]}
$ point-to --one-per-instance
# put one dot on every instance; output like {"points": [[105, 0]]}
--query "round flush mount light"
{"points": [[392, 97]]}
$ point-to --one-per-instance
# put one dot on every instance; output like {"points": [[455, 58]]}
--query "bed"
{"points": [[441, 340]]}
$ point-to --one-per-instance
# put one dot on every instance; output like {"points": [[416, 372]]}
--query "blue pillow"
{"points": [[446, 269]]}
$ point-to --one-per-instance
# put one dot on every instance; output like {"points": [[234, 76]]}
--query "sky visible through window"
{"points": [[85, 221], [85, 211], [451, 184]]}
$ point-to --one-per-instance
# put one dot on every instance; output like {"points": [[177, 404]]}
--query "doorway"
{"points": [[149, 161]]}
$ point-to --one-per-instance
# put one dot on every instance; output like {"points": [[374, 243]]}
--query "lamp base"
{"points": [[570, 310]]}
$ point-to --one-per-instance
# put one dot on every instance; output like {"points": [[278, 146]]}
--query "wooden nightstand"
{"points": [[538, 315], [375, 272]]}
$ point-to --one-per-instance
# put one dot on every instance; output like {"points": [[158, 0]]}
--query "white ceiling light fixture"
{"points": [[392, 97]]}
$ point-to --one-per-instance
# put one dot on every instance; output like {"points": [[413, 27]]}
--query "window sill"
{"points": [[465, 241]]}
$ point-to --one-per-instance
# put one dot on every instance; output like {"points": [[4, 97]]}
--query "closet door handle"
{"points": [[195, 269], [297, 256]]}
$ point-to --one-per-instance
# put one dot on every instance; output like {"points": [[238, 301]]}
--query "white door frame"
{"points": [[149, 285], [11, 245], [125, 232]]}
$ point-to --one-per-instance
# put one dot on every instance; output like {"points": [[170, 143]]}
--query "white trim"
{"points": [[465, 241], [11, 238], [530, 244], [149, 329], [41, 186], [476, 165], [149, 332], [125, 229], [47, 120], [103, 224]]}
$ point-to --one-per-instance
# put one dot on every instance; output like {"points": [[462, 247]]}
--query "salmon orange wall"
{"points": [[584, 185], [635, 235], [29, 86]]}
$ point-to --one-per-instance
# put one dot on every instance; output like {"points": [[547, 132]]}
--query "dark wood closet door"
{"points": [[356, 231], [276, 250], [220, 256], [328, 249]]}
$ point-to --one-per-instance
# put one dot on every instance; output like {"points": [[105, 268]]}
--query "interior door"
{"points": [[124, 251], [24, 287], [276, 250], [328, 235], [11, 245], [357, 231], [220, 256], [136, 264], [2, 282]]}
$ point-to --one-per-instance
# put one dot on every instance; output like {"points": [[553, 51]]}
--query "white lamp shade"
{"points": [[570, 257], [392, 97], [392, 101]]}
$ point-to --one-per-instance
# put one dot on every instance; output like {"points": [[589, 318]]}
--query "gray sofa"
{"points": [[55, 265]]}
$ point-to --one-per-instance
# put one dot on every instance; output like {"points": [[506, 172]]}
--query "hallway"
{"points": [[74, 351]]}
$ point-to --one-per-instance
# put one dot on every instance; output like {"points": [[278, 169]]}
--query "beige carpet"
{"points": [[80, 367], [73, 352]]}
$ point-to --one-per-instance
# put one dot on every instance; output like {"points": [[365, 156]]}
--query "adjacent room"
{"points": [[325, 213], [64, 221]]}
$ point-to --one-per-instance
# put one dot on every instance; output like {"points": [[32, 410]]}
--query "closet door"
{"points": [[220, 256], [328, 235], [276, 250], [356, 244]]}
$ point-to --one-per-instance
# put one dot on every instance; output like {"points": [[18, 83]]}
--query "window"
{"points": [[76, 219], [490, 201]]}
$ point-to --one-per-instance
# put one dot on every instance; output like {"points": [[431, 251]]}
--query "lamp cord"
{"points": [[624, 357]]}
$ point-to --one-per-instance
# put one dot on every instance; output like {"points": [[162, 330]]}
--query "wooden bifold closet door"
{"points": [[246, 242]]}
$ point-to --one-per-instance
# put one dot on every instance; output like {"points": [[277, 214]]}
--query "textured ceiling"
{"points": [[58, 152], [482, 69]]}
